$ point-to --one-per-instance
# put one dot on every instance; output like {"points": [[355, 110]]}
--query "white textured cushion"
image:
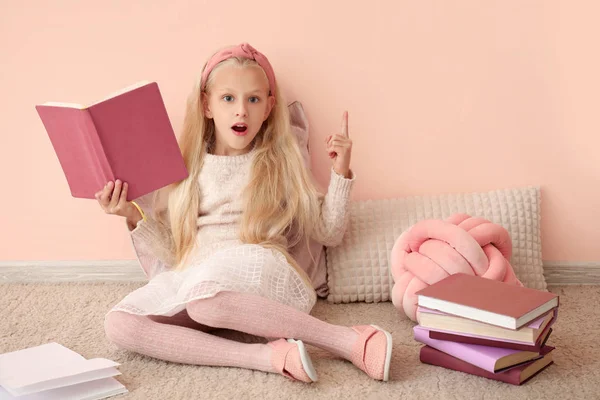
{"points": [[358, 269]]}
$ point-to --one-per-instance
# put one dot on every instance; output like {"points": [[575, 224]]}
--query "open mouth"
{"points": [[240, 129]]}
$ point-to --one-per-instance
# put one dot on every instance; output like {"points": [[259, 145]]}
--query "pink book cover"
{"points": [[484, 357], [128, 137], [514, 376], [488, 295]]}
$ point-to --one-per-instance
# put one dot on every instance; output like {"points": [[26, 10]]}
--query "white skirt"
{"points": [[246, 268]]}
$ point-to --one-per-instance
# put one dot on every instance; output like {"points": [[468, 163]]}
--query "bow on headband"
{"points": [[243, 50]]}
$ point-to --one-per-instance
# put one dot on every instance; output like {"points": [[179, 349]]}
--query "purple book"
{"points": [[491, 359]]}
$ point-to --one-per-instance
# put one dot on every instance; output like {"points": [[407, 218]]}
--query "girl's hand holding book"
{"points": [[113, 200]]}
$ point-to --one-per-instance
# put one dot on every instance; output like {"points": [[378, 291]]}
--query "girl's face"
{"points": [[238, 102]]}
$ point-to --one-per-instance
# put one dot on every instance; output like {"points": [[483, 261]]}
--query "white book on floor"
{"points": [[52, 371]]}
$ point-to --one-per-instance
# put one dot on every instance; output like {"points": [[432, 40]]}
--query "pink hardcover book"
{"points": [[127, 136], [491, 359], [486, 300]]}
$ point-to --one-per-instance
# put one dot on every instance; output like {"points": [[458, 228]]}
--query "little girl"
{"points": [[215, 248]]}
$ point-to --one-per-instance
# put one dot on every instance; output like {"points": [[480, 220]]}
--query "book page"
{"points": [[94, 390], [68, 380], [48, 362], [110, 96], [121, 91], [58, 104], [16, 365]]}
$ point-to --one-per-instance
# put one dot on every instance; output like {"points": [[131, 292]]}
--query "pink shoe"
{"points": [[291, 359], [372, 352]]}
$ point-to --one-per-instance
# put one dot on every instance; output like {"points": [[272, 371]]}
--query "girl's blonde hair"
{"points": [[280, 202]]}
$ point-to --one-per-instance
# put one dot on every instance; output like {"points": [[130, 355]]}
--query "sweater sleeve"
{"points": [[334, 210], [151, 242]]}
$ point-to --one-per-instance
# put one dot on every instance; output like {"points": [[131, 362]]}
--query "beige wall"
{"points": [[444, 96]]}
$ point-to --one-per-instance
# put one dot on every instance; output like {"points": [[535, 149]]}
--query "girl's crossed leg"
{"points": [[367, 347]]}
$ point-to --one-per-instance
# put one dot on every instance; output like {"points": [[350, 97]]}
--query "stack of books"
{"points": [[486, 328]]}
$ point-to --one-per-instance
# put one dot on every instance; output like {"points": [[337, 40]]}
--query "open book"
{"points": [[126, 136], [52, 371]]}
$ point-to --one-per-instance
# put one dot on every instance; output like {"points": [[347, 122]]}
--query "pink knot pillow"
{"points": [[431, 250]]}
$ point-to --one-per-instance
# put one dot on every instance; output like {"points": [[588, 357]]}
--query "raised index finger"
{"points": [[345, 124]]}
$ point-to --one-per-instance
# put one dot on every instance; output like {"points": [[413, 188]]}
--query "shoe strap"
{"points": [[281, 348], [360, 347]]}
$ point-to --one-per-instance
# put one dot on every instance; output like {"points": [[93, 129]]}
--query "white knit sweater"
{"points": [[222, 181]]}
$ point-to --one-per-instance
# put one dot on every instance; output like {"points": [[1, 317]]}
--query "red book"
{"points": [[514, 376], [127, 136], [486, 300]]}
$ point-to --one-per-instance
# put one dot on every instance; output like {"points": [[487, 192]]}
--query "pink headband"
{"points": [[244, 50]]}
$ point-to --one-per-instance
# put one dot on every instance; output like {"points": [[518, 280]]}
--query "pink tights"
{"points": [[185, 337]]}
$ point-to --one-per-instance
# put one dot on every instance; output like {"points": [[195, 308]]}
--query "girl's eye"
{"points": [[228, 98], [253, 99]]}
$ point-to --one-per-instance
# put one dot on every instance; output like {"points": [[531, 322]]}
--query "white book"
{"points": [[52, 371]]}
